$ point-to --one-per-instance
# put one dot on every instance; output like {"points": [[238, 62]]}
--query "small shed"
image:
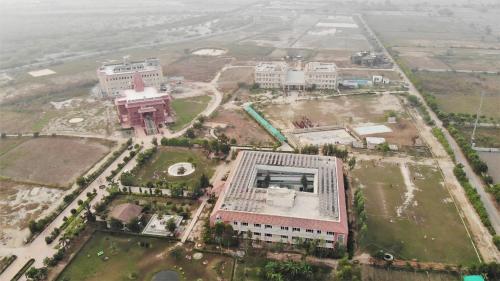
{"points": [[126, 212], [372, 142]]}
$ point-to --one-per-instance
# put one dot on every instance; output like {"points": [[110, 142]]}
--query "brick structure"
{"points": [[143, 107]]}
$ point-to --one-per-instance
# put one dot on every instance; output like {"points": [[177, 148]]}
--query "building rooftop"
{"points": [[288, 199], [320, 67], [272, 66], [130, 67], [126, 212]]}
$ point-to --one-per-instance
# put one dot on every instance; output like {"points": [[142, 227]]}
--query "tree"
{"points": [[352, 163], [115, 224], [134, 225], [81, 181], [347, 271], [181, 170], [37, 274], [190, 133], [171, 226], [154, 141], [127, 178], [177, 253]]}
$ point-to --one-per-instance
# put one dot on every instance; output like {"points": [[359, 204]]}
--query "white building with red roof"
{"points": [[280, 197]]}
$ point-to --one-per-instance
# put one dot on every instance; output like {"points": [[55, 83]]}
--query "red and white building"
{"points": [[116, 77], [143, 108], [281, 197]]}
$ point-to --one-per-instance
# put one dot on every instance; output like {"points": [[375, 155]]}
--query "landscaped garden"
{"points": [[156, 168], [128, 257]]}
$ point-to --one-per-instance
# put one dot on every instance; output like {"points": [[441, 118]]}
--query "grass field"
{"points": [[485, 137], [418, 221], [460, 92], [127, 259], [53, 161], [157, 167], [196, 68], [369, 273], [187, 109]]}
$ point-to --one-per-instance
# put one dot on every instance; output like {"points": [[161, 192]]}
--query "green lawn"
{"points": [[125, 258], [157, 167], [187, 109], [428, 228]]}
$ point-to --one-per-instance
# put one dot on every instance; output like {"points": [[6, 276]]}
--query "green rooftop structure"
{"points": [[473, 278], [263, 122]]}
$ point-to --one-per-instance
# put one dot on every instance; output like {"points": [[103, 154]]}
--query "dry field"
{"points": [[401, 208], [52, 161], [20, 203], [338, 110], [229, 79], [195, 68], [404, 133], [241, 127], [460, 92]]}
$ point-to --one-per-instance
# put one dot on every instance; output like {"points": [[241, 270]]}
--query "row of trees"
{"points": [[359, 205]]}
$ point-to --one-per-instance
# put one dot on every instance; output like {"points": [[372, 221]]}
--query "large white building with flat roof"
{"points": [[117, 77], [315, 75], [285, 197]]}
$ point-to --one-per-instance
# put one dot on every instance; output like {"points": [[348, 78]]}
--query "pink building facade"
{"points": [[143, 107]]}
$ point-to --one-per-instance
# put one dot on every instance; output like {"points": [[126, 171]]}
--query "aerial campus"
{"points": [[250, 140]]}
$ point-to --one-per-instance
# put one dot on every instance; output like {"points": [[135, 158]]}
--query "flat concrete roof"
{"points": [[241, 194]]}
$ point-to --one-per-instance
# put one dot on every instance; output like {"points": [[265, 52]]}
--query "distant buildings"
{"points": [[371, 59], [114, 78], [315, 75], [285, 197], [143, 107]]}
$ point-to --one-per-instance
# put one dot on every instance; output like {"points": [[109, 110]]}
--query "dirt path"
{"points": [[410, 188]]}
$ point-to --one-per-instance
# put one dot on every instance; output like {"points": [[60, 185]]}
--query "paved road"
{"points": [[482, 237]]}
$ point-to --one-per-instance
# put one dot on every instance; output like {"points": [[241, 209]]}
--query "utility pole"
{"points": [[477, 119]]}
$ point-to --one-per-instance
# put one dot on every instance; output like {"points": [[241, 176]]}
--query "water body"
{"points": [[492, 159], [166, 275]]}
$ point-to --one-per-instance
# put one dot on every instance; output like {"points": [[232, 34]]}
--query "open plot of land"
{"points": [[53, 161], [484, 137], [123, 257], [369, 273], [187, 109], [157, 167], [20, 203], [411, 214], [231, 77], [242, 128], [196, 68], [50, 108], [338, 110], [461, 92], [404, 133]]}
